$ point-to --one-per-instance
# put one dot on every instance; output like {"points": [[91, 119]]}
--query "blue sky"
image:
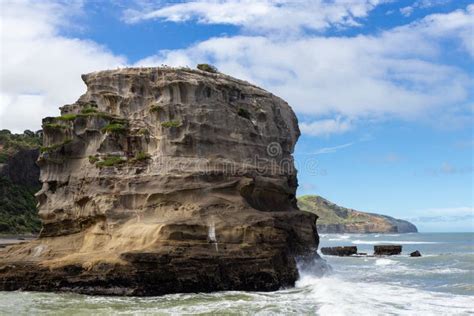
{"points": [[382, 89]]}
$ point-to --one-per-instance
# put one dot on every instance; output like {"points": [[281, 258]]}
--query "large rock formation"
{"points": [[336, 219], [162, 180]]}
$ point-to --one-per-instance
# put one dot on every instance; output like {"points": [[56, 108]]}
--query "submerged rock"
{"points": [[415, 253], [339, 251], [162, 180], [387, 250]]}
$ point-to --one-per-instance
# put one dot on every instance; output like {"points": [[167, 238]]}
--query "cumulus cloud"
{"points": [[348, 78], [40, 68], [334, 83], [422, 4], [259, 15], [326, 127], [407, 11]]}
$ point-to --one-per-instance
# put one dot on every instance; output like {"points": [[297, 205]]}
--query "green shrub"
{"points": [[115, 127], [110, 161], [3, 157], [140, 156], [244, 113], [45, 149], [93, 159], [89, 110], [53, 126], [67, 117], [143, 131], [170, 124], [156, 108], [18, 213], [207, 67], [103, 115]]}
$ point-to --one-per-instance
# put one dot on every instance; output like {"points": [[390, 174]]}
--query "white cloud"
{"points": [[333, 149], [260, 15], [334, 83], [422, 4], [40, 69], [406, 11], [349, 78], [326, 127]]}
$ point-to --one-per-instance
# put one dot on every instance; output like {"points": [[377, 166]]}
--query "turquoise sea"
{"points": [[441, 282]]}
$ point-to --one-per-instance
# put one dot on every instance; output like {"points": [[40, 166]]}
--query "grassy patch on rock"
{"points": [[115, 127], [170, 124], [207, 67], [111, 161]]}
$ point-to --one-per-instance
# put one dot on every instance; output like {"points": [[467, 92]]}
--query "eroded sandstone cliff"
{"points": [[162, 180]]}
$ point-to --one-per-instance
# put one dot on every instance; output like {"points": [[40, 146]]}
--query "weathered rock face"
{"points": [[387, 250], [342, 251], [161, 180]]}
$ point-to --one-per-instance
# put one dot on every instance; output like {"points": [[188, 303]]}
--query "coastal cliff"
{"points": [[336, 219], [19, 180], [164, 180]]}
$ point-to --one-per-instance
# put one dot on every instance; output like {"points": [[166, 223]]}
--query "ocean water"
{"points": [[441, 282]]}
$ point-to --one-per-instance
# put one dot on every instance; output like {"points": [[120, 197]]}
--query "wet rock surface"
{"points": [[339, 251], [162, 180], [415, 253], [387, 250]]}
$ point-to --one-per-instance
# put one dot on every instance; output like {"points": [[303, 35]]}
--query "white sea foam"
{"points": [[339, 237], [329, 295], [384, 262], [339, 297], [397, 242]]}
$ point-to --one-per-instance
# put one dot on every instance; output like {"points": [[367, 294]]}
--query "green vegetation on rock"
{"points": [[93, 159], [117, 128], [89, 110], [244, 113], [45, 149], [169, 124], [207, 67], [156, 108], [111, 161], [67, 117], [54, 126], [18, 214], [141, 156], [11, 143]]}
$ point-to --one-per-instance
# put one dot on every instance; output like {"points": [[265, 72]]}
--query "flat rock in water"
{"points": [[387, 250], [415, 254], [339, 251]]}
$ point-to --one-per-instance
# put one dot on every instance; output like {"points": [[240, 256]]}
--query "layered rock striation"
{"points": [[163, 180]]}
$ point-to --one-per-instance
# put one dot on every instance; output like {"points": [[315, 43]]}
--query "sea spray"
{"points": [[314, 266]]}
